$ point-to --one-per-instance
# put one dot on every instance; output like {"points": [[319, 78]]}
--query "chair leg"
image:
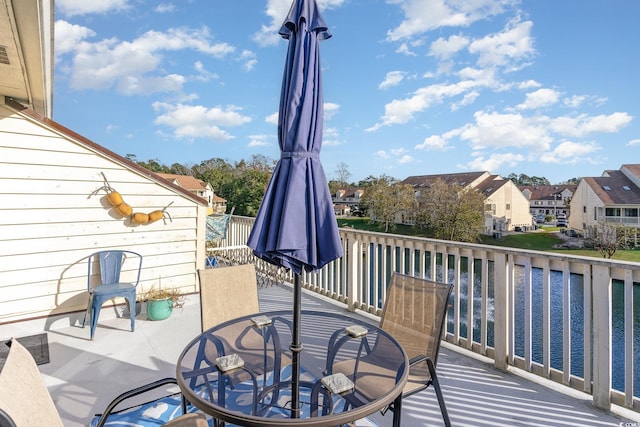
{"points": [[87, 312], [132, 311], [436, 385], [397, 411], [95, 313]]}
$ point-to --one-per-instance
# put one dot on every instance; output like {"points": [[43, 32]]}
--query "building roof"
{"points": [[462, 179], [350, 192], [546, 192], [26, 53], [614, 188], [489, 186], [185, 181]]}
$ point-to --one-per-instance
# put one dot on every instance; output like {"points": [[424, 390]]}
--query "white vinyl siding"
{"points": [[53, 216]]}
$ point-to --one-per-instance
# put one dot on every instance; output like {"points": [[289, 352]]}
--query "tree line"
{"points": [[241, 183], [443, 211]]}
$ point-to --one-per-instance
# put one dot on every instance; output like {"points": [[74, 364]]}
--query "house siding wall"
{"points": [[53, 216], [517, 215], [584, 199]]}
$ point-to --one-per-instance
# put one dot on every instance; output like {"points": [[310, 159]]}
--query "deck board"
{"points": [[84, 375]]}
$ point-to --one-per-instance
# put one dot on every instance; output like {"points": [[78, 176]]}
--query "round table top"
{"points": [[257, 392]]}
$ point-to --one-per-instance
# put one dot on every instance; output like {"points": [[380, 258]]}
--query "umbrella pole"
{"points": [[296, 347]]}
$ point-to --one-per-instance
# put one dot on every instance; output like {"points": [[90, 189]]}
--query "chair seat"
{"points": [[115, 289]]}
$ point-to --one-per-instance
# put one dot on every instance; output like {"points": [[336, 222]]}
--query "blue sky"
{"points": [[411, 87]]}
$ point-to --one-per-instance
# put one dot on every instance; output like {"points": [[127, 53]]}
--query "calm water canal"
{"points": [[576, 324]]}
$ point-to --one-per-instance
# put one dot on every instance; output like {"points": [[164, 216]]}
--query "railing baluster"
{"points": [[359, 279]]}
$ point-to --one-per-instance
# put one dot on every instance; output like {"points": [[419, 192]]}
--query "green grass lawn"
{"points": [[542, 240]]}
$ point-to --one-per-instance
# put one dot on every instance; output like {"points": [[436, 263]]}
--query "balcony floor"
{"points": [[84, 375]]}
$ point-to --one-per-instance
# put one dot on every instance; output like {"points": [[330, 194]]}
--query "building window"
{"points": [[508, 207], [584, 209], [612, 212], [631, 212]]}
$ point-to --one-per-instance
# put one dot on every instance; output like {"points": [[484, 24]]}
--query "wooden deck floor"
{"points": [[84, 375]]}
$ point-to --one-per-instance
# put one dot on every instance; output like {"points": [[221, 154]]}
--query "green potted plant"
{"points": [[162, 301]]}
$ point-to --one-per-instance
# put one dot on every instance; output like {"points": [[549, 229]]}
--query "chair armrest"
{"points": [[335, 344], [135, 392], [417, 359]]}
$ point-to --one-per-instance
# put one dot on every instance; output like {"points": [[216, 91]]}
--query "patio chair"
{"points": [[227, 293], [25, 400], [24, 397], [414, 314], [110, 286], [230, 292]]}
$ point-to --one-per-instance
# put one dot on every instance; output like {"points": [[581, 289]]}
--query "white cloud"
{"points": [[506, 130], [84, 7], [249, 59], [634, 142], [330, 110], [404, 49], [165, 8], [434, 143], [585, 124], [574, 101], [69, 36], [425, 15], [493, 162], [196, 121], [511, 46], [405, 159], [381, 154], [143, 86], [393, 78], [272, 118], [569, 152], [529, 84], [258, 140], [400, 111], [126, 65], [444, 49], [203, 75], [539, 99]]}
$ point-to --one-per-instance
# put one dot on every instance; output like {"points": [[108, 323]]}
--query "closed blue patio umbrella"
{"points": [[296, 226]]}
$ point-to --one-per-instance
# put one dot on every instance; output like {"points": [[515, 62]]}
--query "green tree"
{"points": [[384, 198], [451, 212], [524, 179]]}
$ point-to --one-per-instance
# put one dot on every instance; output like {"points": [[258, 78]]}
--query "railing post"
{"points": [[501, 312], [353, 257], [601, 337]]}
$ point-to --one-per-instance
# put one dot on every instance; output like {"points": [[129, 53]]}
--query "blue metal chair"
{"points": [[110, 286]]}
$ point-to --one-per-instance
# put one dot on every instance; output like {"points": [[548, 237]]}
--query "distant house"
{"points": [[613, 197], [549, 199], [55, 212], [345, 200], [505, 206], [200, 188]]}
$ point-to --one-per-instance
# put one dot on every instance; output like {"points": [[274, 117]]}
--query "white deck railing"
{"points": [[529, 309]]}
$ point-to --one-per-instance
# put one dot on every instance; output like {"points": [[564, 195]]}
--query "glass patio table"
{"points": [[240, 371]]}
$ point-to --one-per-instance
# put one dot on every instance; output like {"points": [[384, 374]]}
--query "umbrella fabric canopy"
{"points": [[296, 226]]}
